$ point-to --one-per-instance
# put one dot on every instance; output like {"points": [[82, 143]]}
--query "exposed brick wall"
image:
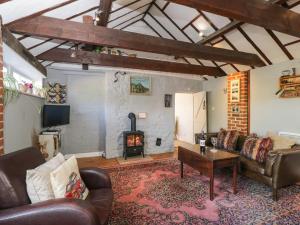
{"points": [[1, 92], [239, 121]]}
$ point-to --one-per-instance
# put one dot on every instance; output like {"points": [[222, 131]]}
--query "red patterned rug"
{"points": [[154, 194]]}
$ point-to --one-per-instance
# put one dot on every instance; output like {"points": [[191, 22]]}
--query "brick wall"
{"points": [[239, 120], [1, 92]]}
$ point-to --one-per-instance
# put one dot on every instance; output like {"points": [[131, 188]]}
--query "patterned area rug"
{"points": [[134, 160], [154, 194]]}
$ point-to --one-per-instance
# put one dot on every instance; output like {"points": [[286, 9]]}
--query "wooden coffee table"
{"points": [[207, 162]]}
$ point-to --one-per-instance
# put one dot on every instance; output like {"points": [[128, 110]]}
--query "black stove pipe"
{"points": [[132, 118]]}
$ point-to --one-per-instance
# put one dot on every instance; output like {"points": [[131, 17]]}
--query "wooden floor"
{"points": [[109, 163]]}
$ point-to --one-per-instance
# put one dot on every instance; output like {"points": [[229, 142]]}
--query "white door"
{"points": [[200, 114], [191, 117], [184, 116]]}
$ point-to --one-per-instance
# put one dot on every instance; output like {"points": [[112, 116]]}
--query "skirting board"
{"points": [[85, 155]]}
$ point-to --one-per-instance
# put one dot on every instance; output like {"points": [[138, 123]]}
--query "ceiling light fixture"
{"points": [[97, 15], [201, 34]]}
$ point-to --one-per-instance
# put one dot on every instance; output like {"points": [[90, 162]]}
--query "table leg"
{"points": [[211, 184], [181, 169], [234, 180]]}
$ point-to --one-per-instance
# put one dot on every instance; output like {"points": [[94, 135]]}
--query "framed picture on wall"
{"points": [[140, 85], [235, 90], [168, 100]]}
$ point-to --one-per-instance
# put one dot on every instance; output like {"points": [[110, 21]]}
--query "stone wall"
{"points": [[160, 121], [240, 120]]}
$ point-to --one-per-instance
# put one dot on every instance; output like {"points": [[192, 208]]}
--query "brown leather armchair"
{"points": [[281, 169], [16, 208]]}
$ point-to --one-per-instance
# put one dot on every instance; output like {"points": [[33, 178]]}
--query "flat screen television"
{"points": [[56, 115]]}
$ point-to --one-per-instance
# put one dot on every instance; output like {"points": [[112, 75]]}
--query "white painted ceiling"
{"points": [[161, 19]]}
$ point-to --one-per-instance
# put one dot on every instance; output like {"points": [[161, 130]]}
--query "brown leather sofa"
{"points": [[281, 169], [16, 208]]}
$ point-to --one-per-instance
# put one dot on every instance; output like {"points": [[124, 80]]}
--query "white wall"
{"points": [[160, 122], [86, 96], [268, 111], [216, 103], [22, 123]]}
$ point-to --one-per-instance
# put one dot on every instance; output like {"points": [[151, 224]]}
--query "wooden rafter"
{"points": [[77, 32], [168, 32], [92, 58], [43, 11], [10, 40], [131, 11], [220, 32], [224, 38], [3, 1], [261, 13], [254, 45], [105, 8], [172, 21], [237, 24]]}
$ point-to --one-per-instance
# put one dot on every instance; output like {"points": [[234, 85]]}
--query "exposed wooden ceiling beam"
{"points": [[229, 27], [258, 12], [3, 1], [90, 34], [43, 11], [92, 58], [13, 43], [105, 8]]}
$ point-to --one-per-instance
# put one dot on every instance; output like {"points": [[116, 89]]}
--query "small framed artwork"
{"points": [[235, 109], [168, 100], [235, 90], [140, 85]]}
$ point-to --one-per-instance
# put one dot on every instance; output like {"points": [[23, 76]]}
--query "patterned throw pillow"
{"points": [[38, 180], [220, 138], [231, 140], [66, 181], [257, 149]]}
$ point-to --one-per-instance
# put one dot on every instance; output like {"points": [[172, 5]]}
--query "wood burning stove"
{"points": [[133, 141]]}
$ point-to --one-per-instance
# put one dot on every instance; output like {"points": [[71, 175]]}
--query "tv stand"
{"points": [[50, 142]]}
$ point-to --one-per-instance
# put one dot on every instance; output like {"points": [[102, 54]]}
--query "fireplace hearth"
{"points": [[133, 140]]}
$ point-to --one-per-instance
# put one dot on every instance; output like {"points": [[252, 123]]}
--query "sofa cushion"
{"points": [[102, 200], [281, 142], [38, 180], [257, 149], [240, 143], [220, 138], [230, 140], [66, 181], [252, 165]]}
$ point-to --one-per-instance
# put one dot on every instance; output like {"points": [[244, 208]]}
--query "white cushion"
{"points": [[281, 142], [38, 180], [66, 181]]}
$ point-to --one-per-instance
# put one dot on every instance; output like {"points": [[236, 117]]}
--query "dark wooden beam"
{"points": [[131, 11], [90, 34], [278, 42], [92, 58], [3, 1], [229, 27], [105, 8], [43, 11], [258, 12], [14, 44], [254, 45]]}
